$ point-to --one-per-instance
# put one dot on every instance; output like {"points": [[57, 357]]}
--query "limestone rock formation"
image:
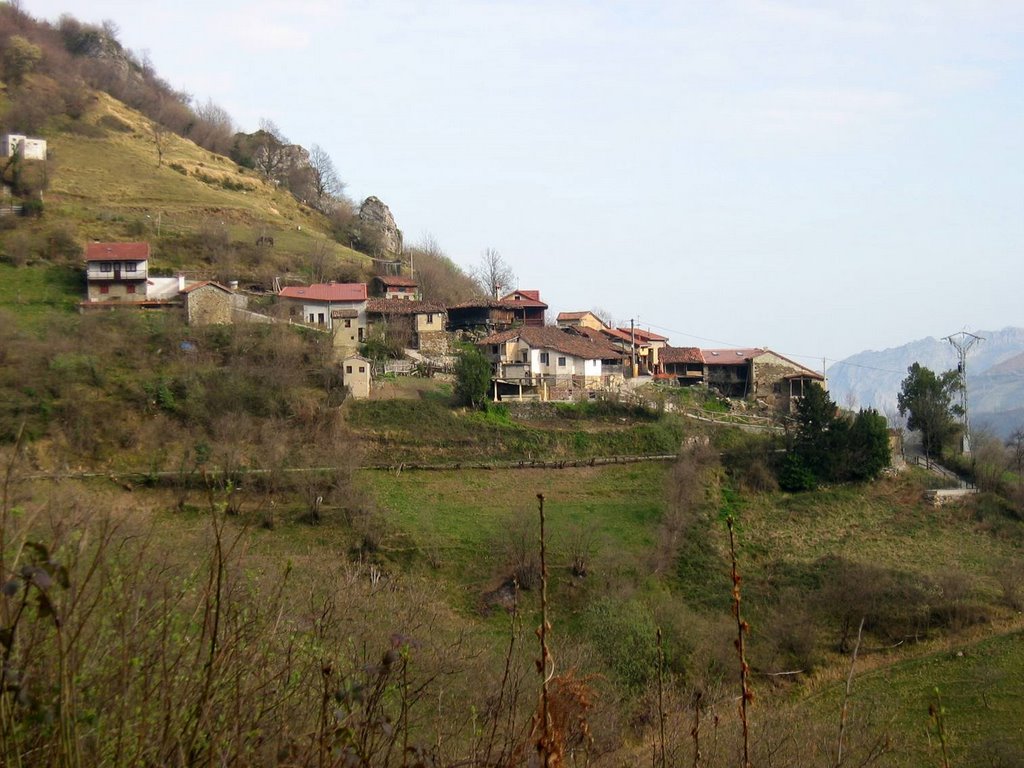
{"points": [[376, 216]]}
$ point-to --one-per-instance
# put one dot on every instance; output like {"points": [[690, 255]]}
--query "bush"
{"points": [[472, 378]]}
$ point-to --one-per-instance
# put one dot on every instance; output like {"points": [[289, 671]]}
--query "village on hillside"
{"points": [[578, 357]]}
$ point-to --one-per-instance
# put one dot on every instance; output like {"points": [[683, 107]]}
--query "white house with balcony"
{"points": [[545, 363], [116, 272]]}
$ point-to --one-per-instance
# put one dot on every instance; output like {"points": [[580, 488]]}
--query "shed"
{"points": [[356, 372]]}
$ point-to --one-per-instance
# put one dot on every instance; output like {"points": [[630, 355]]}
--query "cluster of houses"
{"points": [[577, 357]]}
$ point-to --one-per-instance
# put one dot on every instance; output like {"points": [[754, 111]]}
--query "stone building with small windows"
{"points": [[356, 373]]}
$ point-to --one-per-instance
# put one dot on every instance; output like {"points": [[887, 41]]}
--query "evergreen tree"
{"points": [[928, 398], [472, 377]]}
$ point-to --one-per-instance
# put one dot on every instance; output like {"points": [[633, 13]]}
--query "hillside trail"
{"points": [[914, 454]]}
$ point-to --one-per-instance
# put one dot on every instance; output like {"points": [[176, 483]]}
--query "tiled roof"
{"points": [[730, 356], [479, 304], [616, 334], [215, 284], [573, 315], [547, 337], [598, 337], [397, 281], [680, 355], [326, 292], [527, 299], [402, 307], [642, 335], [117, 251]]}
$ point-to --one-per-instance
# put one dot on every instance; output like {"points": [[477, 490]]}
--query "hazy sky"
{"points": [[819, 178]]}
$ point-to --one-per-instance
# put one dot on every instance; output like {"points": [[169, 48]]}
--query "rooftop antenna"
{"points": [[962, 342]]}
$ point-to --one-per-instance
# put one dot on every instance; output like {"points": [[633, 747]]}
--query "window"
{"points": [[561, 362], [104, 289], [494, 349], [360, 334], [348, 324], [131, 289], [321, 318], [348, 369], [312, 317], [430, 319], [130, 266], [544, 359], [106, 266], [362, 369]]}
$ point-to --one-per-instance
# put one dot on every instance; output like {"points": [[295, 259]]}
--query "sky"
{"points": [[817, 178]]}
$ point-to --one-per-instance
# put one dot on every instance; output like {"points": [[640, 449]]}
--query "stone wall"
{"points": [[434, 344], [208, 305]]}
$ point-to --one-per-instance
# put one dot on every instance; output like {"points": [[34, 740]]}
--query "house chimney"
{"points": [[181, 283]]}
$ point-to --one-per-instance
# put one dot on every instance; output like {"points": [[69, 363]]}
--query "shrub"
{"points": [[624, 633], [472, 377]]}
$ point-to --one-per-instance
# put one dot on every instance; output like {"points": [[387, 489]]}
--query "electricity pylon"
{"points": [[962, 342]]}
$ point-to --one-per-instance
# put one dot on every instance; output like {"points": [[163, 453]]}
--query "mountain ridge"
{"points": [[995, 376]]}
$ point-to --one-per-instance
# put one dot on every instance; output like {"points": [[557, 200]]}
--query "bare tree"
{"points": [[270, 154], [159, 132], [327, 186], [493, 274], [214, 127], [319, 260]]}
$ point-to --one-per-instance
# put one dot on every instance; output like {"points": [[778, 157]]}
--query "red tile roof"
{"points": [[326, 292], [731, 356], [596, 336], [680, 355], [616, 334], [117, 252], [402, 307], [526, 299], [397, 281], [642, 335], [547, 337]]}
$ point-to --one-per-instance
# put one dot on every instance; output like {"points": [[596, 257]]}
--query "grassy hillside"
{"points": [[105, 183]]}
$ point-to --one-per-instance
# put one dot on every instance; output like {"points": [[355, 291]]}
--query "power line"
{"points": [[787, 354]]}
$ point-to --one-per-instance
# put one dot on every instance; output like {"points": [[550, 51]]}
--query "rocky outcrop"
{"points": [[376, 216]]}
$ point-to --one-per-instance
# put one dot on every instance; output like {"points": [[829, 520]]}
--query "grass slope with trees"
{"points": [[198, 565]]}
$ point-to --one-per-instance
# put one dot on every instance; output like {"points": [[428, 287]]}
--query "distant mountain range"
{"points": [[995, 377]]}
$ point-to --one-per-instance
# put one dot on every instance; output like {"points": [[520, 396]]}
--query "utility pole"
{"points": [[632, 348], [962, 342]]}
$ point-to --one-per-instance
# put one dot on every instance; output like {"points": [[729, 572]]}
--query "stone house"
{"points": [[208, 303], [394, 287], [356, 372], [412, 324], [545, 362], [116, 272], [758, 374], [339, 308]]}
